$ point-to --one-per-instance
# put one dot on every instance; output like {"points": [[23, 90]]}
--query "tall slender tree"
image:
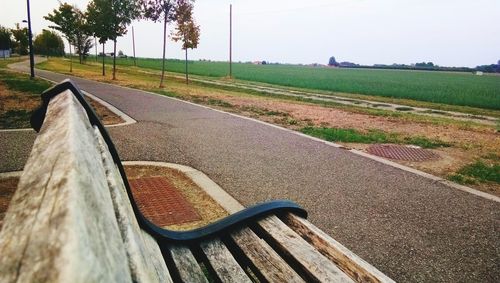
{"points": [[82, 36], [158, 11], [65, 20], [186, 30], [100, 19], [123, 13]]}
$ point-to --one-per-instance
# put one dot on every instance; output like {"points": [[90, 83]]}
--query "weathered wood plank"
{"points": [[267, 262], [144, 256], [60, 226], [187, 267], [312, 262], [346, 260], [156, 259], [222, 261]]}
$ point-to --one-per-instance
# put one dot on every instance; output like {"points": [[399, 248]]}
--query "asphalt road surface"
{"points": [[411, 228]]}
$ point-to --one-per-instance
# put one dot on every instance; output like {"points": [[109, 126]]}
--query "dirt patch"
{"points": [[8, 187], [485, 139], [16, 108], [468, 143], [15, 100], [106, 116], [207, 208]]}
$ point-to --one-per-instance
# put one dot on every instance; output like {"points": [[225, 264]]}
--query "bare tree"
{"points": [[157, 11], [100, 19], [187, 30], [109, 20], [65, 20]]}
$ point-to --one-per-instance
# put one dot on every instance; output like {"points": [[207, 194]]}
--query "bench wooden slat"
{"points": [[156, 259], [267, 262], [346, 260], [144, 256], [186, 265], [312, 262], [222, 261], [60, 226]]}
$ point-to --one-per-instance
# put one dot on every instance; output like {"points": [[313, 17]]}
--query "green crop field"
{"points": [[463, 89]]}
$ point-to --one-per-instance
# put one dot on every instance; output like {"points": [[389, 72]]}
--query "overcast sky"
{"points": [[446, 32]]}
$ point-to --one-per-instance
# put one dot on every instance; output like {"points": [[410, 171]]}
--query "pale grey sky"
{"points": [[446, 32]]}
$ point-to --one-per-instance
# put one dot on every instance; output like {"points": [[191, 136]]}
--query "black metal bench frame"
{"points": [[164, 236]]}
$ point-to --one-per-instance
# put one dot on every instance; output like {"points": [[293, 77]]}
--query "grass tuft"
{"points": [[403, 108], [22, 83], [14, 119], [372, 136], [477, 172], [218, 102]]}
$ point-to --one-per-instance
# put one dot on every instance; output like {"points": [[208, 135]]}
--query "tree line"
{"points": [[426, 66], [16, 39], [105, 20]]}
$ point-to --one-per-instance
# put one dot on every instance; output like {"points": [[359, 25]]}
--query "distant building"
{"points": [[347, 64], [106, 54], [5, 53]]}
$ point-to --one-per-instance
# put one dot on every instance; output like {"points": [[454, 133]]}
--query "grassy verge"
{"points": [[438, 107], [145, 79], [400, 115], [7, 61], [19, 97], [22, 82], [442, 87], [478, 172], [373, 136], [435, 108]]}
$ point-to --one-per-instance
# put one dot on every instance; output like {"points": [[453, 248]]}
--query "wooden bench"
{"points": [[72, 219]]}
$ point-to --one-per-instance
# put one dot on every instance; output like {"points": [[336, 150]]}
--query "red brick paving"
{"points": [[161, 202], [401, 152]]}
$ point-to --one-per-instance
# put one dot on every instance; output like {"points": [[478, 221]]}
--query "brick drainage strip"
{"points": [[401, 152], [161, 202]]}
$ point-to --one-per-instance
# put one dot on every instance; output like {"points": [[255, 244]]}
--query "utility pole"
{"points": [[103, 55], [114, 40], [133, 45], [230, 40], [95, 44], [30, 41]]}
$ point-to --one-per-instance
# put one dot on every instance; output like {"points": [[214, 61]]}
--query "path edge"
{"points": [[218, 194]]}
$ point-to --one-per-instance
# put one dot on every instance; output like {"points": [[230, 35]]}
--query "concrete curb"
{"points": [[428, 176], [12, 174], [357, 152], [16, 130], [128, 120], [203, 181]]}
